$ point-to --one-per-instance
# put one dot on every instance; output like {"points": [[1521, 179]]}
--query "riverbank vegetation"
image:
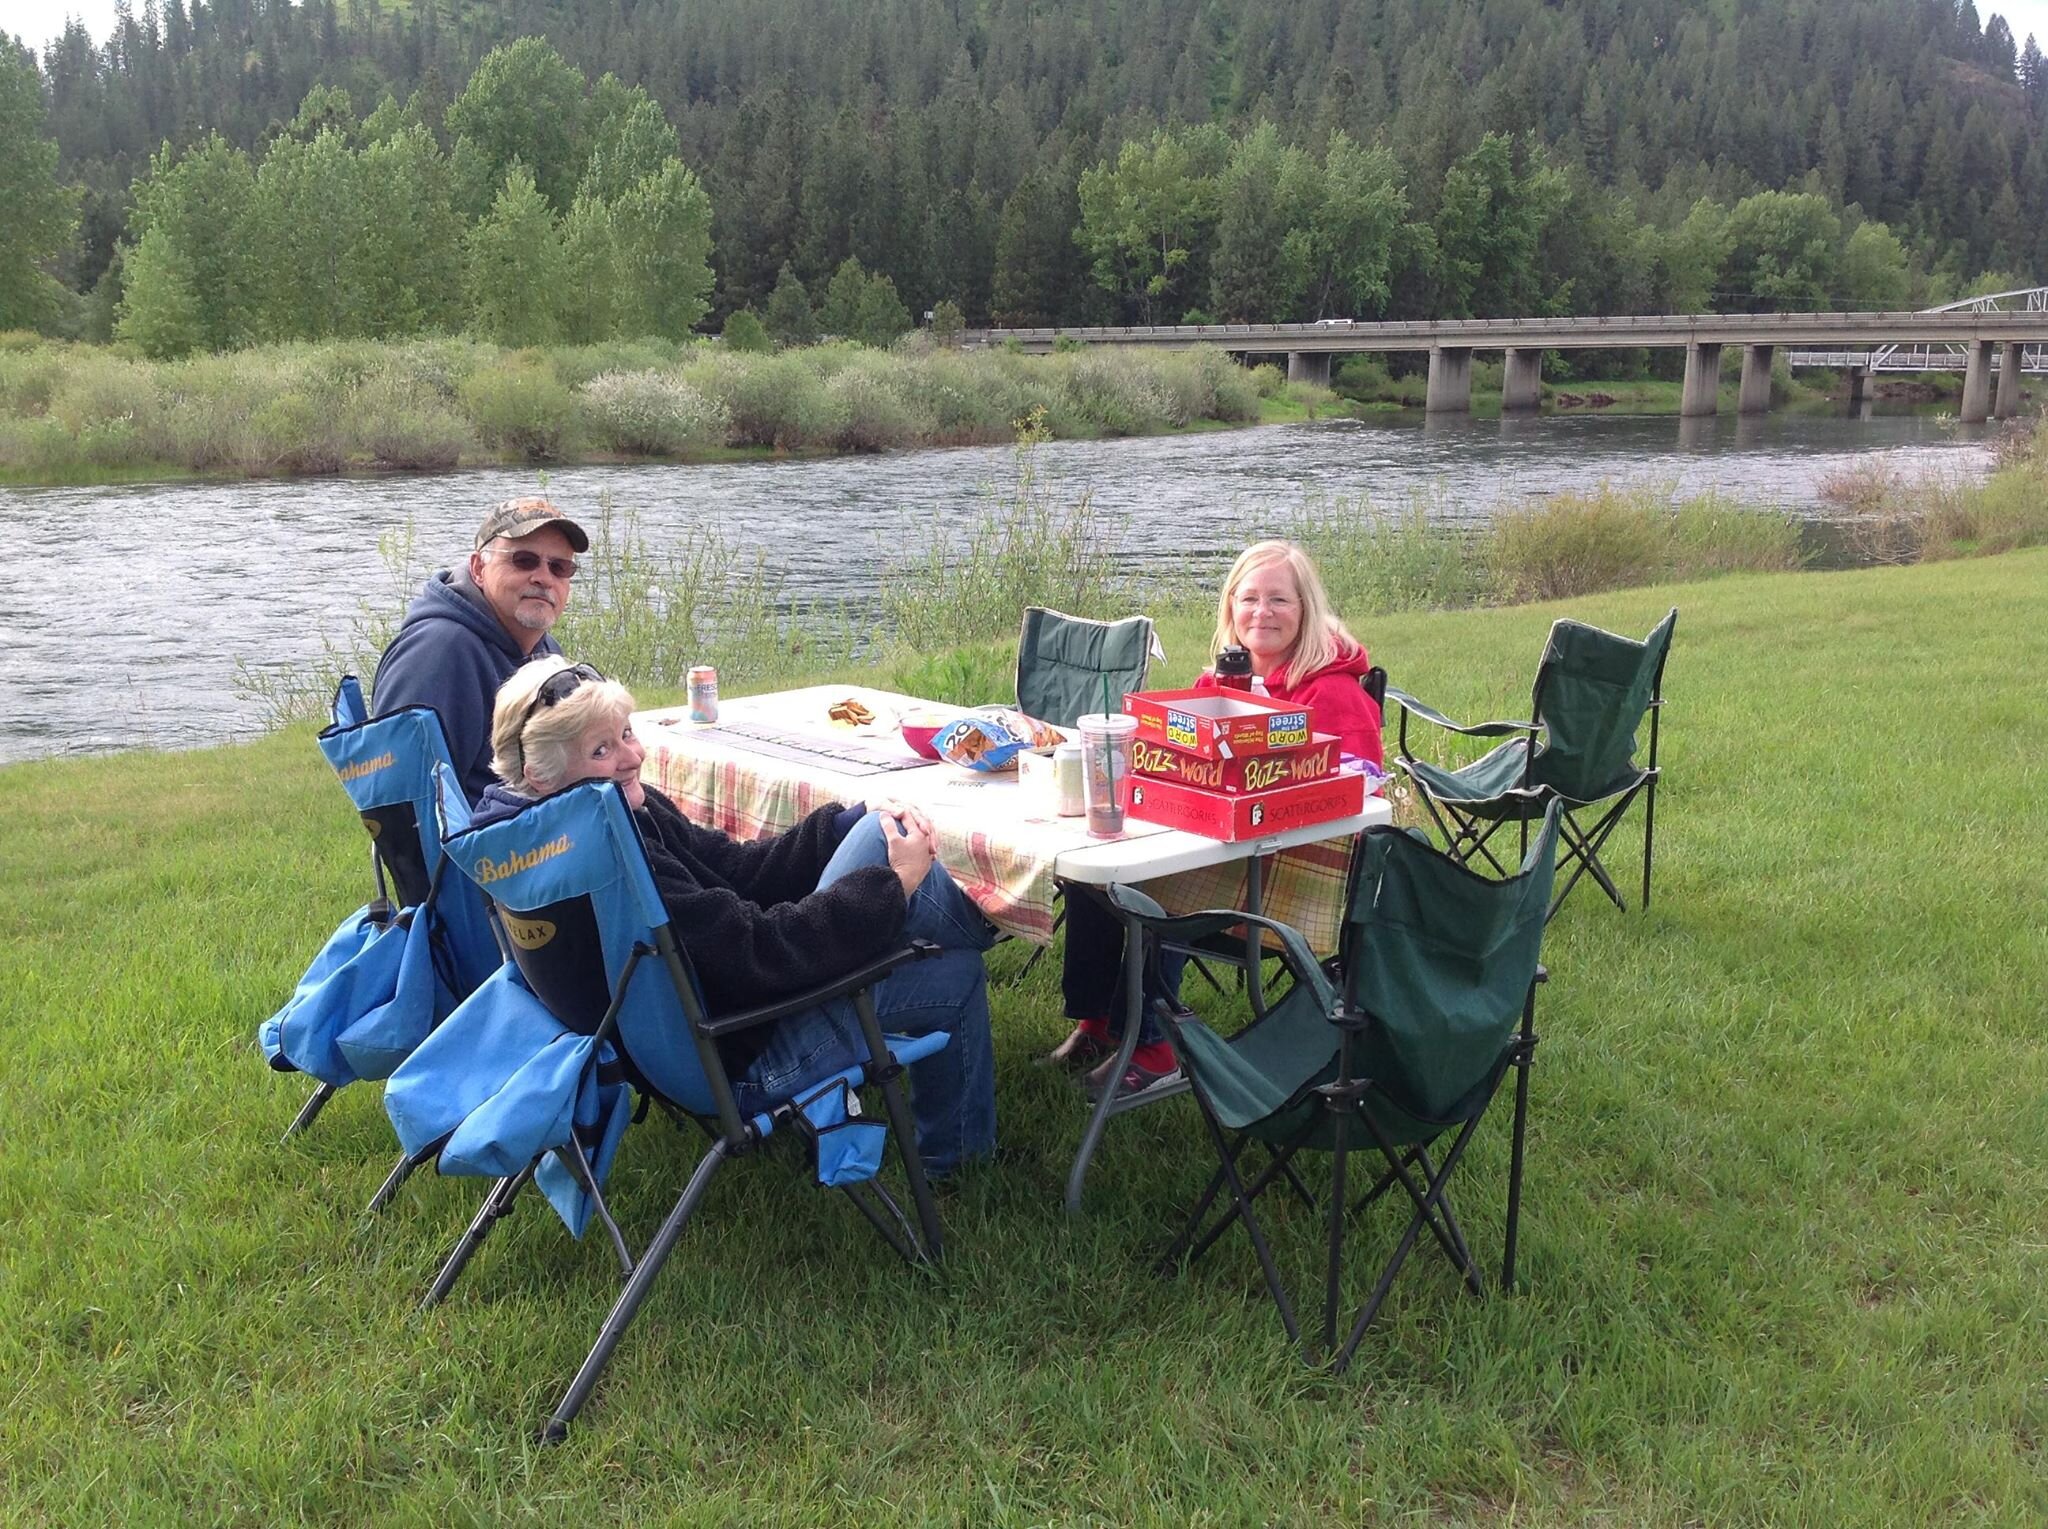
{"points": [[238, 173], [1781, 1240], [72, 413]]}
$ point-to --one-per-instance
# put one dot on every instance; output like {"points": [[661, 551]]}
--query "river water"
{"points": [[133, 604]]}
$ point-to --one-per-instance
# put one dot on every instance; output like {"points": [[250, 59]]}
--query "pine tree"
{"points": [[37, 215]]}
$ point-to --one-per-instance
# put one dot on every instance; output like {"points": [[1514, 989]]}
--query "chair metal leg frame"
{"points": [[1463, 836], [635, 1291], [1449, 1236], [573, 1158], [309, 1111], [497, 1204], [1242, 1207], [1426, 1200], [1278, 1168], [1524, 1058], [1649, 833], [903, 1128], [895, 1228], [1583, 848], [1169, 1261], [402, 1170]]}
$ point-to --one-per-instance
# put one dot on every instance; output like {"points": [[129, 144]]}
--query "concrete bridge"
{"points": [[1978, 336]]}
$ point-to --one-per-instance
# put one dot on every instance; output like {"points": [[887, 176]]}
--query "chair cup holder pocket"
{"points": [[845, 1147]]}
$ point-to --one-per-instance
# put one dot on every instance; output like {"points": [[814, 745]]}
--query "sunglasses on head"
{"points": [[556, 688], [526, 560]]}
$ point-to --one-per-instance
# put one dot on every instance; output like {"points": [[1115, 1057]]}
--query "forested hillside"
{"points": [[1097, 160]]}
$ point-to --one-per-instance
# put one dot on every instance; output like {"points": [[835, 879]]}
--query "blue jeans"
{"points": [[953, 1091]]}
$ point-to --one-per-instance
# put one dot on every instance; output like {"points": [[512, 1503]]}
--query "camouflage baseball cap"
{"points": [[522, 517]]}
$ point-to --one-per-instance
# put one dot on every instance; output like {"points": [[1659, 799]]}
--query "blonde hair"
{"points": [[1321, 636], [543, 739]]}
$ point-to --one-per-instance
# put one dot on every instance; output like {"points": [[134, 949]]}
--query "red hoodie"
{"points": [[1335, 697]]}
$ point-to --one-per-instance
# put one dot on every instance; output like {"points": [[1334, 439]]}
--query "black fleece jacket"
{"points": [[752, 917]]}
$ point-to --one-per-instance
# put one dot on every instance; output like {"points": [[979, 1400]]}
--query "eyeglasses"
{"points": [[526, 560], [556, 688]]}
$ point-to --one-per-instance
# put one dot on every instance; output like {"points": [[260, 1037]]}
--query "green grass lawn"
{"points": [[1783, 1240]]}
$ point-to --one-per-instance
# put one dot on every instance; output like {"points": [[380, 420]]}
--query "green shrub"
{"points": [[1362, 377], [293, 432], [1116, 392], [1268, 380], [744, 331], [577, 365], [520, 407], [650, 413], [771, 400], [872, 414], [1204, 384], [963, 401], [1711, 535], [1575, 544], [401, 422], [29, 376], [979, 674]]}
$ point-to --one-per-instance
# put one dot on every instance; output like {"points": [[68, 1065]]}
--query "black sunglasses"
{"points": [[556, 688], [526, 560]]}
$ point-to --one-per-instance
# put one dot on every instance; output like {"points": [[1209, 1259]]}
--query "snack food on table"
{"points": [[1031, 732], [979, 743], [850, 712]]}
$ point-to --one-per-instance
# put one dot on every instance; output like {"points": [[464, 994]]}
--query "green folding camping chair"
{"points": [[1068, 665], [1578, 748], [1398, 1048]]}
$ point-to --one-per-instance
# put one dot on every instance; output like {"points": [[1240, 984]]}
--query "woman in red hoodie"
{"points": [[1273, 606]]}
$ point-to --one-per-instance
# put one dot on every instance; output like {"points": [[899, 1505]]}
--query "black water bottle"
{"points": [[1234, 669]]}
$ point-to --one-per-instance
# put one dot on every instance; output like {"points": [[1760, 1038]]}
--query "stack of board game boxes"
{"points": [[1232, 765]]}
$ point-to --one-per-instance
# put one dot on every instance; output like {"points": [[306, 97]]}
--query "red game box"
{"points": [[1219, 815], [1218, 724], [1249, 772]]}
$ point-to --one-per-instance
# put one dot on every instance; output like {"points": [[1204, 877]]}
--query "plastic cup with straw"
{"points": [[1106, 748]]}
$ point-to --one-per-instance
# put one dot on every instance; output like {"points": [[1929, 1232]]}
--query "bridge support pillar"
{"points": [[1702, 392], [2009, 363], [1755, 397], [1521, 385], [1450, 380], [1309, 366], [1977, 383], [1859, 386]]}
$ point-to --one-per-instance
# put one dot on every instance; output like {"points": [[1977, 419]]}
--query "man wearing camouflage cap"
{"points": [[471, 627]]}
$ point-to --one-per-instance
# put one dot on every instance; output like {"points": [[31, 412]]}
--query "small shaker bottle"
{"points": [[1234, 669]]}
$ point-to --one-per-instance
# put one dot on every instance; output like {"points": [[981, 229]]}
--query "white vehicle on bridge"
{"points": [[1336, 321]]}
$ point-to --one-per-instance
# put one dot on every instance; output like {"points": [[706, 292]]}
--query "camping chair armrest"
{"points": [[1476, 730], [863, 976], [1181, 929]]}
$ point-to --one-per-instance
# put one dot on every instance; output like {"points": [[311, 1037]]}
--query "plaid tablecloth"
{"points": [[994, 840]]}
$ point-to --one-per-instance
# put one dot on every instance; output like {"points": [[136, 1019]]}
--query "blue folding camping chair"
{"points": [[526, 1082], [402, 961]]}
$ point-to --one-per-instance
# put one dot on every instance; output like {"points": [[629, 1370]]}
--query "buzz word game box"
{"points": [[1246, 772], [1245, 815], [1218, 724]]}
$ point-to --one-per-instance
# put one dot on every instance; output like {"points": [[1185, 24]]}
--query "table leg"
{"points": [[1134, 1013]]}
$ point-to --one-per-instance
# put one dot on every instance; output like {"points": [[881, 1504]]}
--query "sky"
{"points": [[37, 21]]}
